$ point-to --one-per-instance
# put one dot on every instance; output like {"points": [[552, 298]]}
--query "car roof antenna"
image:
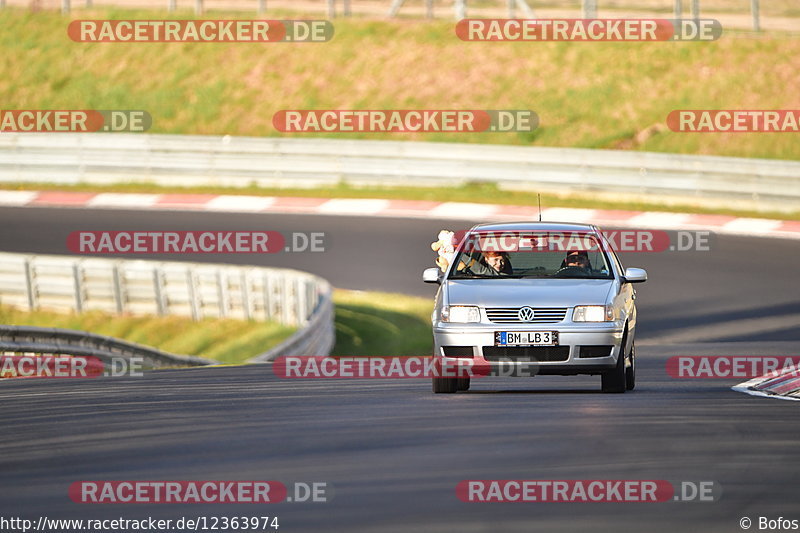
{"points": [[540, 206]]}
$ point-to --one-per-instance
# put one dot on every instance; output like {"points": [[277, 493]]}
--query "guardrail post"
{"points": [[194, 302], [158, 288], [429, 9], [77, 279], [283, 298], [64, 7], [756, 15], [590, 9], [30, 285], [695, 9], [395, 7], [678, 10], [347, 8], [119, 297], [172, 5], [522, 4], [266, 286], [222, 293], [300, 301], [198, 7], [331, 9], [262, 6], [461, 9], [245, 289], [309, 294], [307, 298]]}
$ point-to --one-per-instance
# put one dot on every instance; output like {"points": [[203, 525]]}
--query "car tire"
{"points": [[463, 384], [445, 385], [613, 381], [630, 372]]}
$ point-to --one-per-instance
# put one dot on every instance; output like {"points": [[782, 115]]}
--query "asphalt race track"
{"points": [[393, 452], [744, 289]]}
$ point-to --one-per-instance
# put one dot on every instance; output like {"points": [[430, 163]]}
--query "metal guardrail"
{"points": [[30, 339], [174, 160], [64, 283], [197, 290]]}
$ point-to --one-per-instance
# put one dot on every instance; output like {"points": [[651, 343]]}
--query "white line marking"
{"points": [[659, 220], [237, 204], [17, 198], [755, 226], [353, 206], [568, 214], [463, 210], [112, 199]]}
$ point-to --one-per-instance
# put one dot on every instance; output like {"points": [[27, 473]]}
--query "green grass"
{"points": [[474, 192], [224, 340], [590, 95], [382, 324]]}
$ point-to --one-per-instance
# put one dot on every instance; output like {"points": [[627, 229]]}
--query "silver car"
{"points": [[535, 298]]}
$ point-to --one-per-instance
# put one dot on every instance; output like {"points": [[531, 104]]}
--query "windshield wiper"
{"points": [[579, 277]]}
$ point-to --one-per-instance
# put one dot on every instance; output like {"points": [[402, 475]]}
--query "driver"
{"points": [[577, 259]]}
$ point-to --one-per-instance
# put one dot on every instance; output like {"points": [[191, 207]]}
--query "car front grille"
{"points": [[526, 353], [510, 315]]}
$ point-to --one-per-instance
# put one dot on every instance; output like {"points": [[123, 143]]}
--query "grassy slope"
{"points": [[594, 95], [376, 323], [228, 341]]}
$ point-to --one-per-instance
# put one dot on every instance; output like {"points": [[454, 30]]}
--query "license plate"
{"points": [[526, 338]]}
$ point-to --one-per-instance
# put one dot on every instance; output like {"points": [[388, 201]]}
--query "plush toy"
{"points": [[445, 247]]}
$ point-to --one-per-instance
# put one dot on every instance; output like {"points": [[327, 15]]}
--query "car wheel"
{"points": [[463, 384], [614, 380], [446, 385], [630, 372]]}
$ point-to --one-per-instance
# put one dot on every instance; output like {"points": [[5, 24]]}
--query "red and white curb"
{"points": [[783, 387], [756, 227]]}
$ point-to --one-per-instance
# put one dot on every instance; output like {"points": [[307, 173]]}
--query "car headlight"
{"points": [[593, 313], [461, 313]]}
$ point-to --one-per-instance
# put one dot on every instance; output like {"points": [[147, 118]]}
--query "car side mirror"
{"points": [[635, 275], [431, 275]]}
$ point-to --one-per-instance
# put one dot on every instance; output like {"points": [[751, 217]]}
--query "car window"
{"points": [[546, 262]]}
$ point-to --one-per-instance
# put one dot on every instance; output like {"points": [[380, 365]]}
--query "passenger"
{"points": [[491, 264]]}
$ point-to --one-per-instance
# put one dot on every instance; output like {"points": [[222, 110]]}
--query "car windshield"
{"points": [[518, 256]]}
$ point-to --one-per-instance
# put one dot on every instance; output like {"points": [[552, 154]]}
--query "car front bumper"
{"points": [[571, 339]]}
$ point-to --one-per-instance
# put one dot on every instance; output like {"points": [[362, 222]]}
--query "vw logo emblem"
{"points": [[526, 314]]}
